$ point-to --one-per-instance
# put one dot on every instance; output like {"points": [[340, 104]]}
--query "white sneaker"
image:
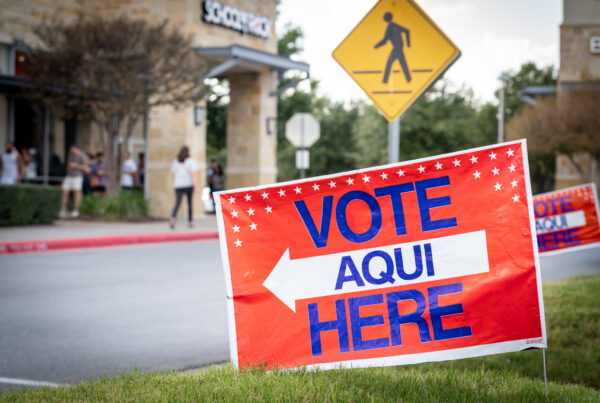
{"points": [[74, 214], [62, 214]]}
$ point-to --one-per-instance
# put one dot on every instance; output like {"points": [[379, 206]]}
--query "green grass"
{"points": [[573, 325], [573, 370], [371, 384]]}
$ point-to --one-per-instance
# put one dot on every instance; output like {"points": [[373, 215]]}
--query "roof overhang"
{"points": [[223, 61], [529, 94]]}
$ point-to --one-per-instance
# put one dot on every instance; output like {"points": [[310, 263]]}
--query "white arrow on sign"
{"points": [[313, 277]]}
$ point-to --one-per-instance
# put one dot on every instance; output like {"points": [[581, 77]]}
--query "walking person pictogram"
{"points": [[393, 33]]}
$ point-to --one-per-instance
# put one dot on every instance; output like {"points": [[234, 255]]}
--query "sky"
{"points": [[494, 36]]}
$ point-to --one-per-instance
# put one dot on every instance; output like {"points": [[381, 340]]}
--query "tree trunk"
{"points": [[111, 157], [585, 178]]}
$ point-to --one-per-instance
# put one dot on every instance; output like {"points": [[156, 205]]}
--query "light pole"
{"points": [[503, 79]]}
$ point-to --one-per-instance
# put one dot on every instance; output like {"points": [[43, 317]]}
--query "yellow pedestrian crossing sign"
{"points": [[395, 53]]}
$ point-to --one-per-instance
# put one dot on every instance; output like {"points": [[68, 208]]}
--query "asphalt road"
{"points": [[74, 315]]}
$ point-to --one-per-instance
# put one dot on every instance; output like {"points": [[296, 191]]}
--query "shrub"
{"points": [[29, 204], [128, 206]]}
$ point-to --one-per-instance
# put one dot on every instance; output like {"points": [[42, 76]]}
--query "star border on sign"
{"points": [[247, 197], [350, 181], [473, 159], [438, 165]]}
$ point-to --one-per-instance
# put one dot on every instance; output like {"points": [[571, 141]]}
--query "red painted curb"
{"points": [[59, 244]]}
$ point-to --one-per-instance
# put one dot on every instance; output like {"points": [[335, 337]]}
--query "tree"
{"points": [[217, 103], [371, 133], [441, 122], [541, 163], [567, 126], [113, 71], [528, 75]]}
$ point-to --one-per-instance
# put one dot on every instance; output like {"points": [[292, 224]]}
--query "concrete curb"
{"points": [[8, 248]]}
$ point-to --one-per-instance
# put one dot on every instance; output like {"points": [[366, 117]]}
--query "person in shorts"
{"points": [[77, 167], [128, 172]]}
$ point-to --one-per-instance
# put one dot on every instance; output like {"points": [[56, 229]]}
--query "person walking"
{"points": [[11, 167], [183, 170], [128, 172], [77, 166], [215, 179]]}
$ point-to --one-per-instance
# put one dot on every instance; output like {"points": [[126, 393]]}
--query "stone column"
{"points": [[169, 130], [251, 151]]}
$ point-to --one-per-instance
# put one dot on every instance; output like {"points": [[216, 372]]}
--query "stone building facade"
{"points": [[579, 67], [245, 54]]}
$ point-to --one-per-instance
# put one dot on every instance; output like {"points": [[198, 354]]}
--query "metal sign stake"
{"points": [[545, 377]]}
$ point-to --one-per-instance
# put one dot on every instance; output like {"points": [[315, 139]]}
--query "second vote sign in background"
{"points": [[567, 219], [425, 260]]}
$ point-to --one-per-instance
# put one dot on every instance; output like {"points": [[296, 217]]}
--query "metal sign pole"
{"points": [[545, 377], [302, 173], [394, 141]]}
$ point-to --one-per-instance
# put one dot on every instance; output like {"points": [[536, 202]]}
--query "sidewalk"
{"points": [[68, 234]]}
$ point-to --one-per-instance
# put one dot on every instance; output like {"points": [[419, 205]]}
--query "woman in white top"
{"points": [[184, 179]]}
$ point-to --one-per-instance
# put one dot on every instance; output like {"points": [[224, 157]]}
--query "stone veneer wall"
{"points": [[577, 65]]}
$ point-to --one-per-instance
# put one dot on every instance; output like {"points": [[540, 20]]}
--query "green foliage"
{"points": [[371, 133], [216, 116], [541, 165], [128, 206], [290, 102], [290, 42], [26, 204], [573, 326], [335, 151], [528, 75], [441, 122]]}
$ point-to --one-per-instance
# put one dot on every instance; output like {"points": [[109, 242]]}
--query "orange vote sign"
{"points": [[395, 53], [567, 219]]}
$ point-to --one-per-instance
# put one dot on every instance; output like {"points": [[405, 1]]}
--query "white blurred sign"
{"points": [[302, 130], [302, 159]]}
